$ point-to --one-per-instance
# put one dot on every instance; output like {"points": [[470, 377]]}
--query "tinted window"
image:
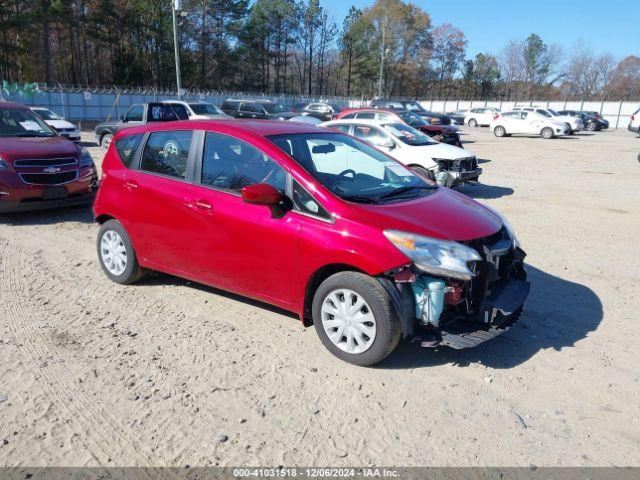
{"points": [[166, 153], [304, 202], [126, 148], [343, 128], [18, 122], [349, 115], [230, 105], [231, 164], [251, 107], [164, 112], [135, 114], [366, 115]]}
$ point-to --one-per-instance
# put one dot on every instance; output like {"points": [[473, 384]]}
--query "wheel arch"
{"points": [[103, 218]]}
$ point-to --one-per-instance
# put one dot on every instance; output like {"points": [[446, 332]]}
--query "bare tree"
{"points": [[589, 74]]}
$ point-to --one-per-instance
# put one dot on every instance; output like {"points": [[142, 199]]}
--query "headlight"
{"points": [[85, 159], [3, 164], [442, 258], [507, 226]]}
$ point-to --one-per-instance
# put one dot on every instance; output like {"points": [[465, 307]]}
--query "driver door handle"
{"points": [[131, 184]]}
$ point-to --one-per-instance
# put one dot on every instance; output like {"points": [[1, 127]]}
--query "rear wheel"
{"points": [[473, 123], [116, 255], [547, 133], [591, 127], [354, 318], [105, 141], [500, 131]]}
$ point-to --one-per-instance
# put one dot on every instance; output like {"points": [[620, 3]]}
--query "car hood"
{"points": [[446, 151], [444, 214], [60, 124], [286, 115], [13, 148]]}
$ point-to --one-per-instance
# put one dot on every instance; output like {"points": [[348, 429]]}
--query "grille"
{"points": [[459, 165], [49, 178], [45, 162]]}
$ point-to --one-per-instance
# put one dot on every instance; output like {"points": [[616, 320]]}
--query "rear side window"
{"points": [[127, 147], [227, 105], [166, 153]]}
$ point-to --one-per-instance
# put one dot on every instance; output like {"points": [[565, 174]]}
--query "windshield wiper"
{"points": [[401, 190], [359, 198]]}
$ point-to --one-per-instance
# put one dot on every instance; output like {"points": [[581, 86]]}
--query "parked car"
{"points": [[440, 133], [480, 116], [200, 110], [591, 123], [634, 122], [575, 123], [140, 114], [447, 165], [65, 128], [323, 111], [40, 169], [256, 109], [312, 221], [433, 118], [603, 122], [458, 116], [522, 122]]}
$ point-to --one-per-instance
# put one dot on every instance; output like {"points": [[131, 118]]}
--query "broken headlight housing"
{"points": [[442, 258], [507, 226]]}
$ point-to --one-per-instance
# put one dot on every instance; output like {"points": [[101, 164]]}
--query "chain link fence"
{"points": [[89, 106]]}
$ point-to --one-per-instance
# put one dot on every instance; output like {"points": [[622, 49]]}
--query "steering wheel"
{"points": [[344, 173]]}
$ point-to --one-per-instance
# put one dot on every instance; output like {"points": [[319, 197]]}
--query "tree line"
{"points": [[291, 46]]}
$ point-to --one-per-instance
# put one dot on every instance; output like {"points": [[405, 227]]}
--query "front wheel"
{"points": [[105, 141], [499, 131], [116, 255], [354, 318], [473, 123], [591, 127], [547, 133]]}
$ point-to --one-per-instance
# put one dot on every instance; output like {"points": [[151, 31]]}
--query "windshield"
{"points": [[408, 135], [553, 112], [47, 114], [22, 123], [274, 107], [413, 106], [412, 119], [352, 169], [205, 109]]}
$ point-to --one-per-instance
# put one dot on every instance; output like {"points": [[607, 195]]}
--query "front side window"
{"points": [[352, 169], [134, 114], [349, 116], [166, 153], [126, 148], [412, 119], [231, 164], [251, 108], [47, 114], [16, 122], [274, 108]]}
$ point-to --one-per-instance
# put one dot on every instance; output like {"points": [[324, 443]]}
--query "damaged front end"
{"points": [[457, 172], [458, 294]]}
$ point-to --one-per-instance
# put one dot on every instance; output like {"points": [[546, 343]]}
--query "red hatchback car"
{"points": [[313, 221], [38, 168]]}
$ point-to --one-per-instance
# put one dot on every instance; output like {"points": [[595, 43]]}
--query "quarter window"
{"points": [[231, 164], [166, 153], [304, 202], [126, 148]]}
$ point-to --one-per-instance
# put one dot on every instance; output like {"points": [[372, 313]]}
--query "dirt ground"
{"points": [[168, 372]]}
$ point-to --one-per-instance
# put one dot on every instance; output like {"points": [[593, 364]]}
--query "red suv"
{"points": [[313, 221], [38, 168]]}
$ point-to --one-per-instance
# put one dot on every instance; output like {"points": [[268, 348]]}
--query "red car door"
{"points": [[250, 249], [157, 214]]}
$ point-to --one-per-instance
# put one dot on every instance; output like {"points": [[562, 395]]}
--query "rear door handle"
{"points": [[131, 184]]}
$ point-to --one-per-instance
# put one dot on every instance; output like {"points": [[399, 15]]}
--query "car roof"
{"points": [[261, 128], [13, 106], [362, 121], [347, 111]]}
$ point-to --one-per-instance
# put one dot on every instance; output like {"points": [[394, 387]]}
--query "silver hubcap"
{"points": [[113, 252], [348, 321]]}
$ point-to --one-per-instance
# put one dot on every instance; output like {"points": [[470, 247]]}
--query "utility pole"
{"points": [[176, 9], [383, 53]]}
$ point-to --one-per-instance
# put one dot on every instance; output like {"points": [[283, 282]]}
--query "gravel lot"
{"points": [[168, 372]]}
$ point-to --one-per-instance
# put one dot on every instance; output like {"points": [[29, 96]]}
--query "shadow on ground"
{"points": [[80, 214], [558, 314], [485, 191]]}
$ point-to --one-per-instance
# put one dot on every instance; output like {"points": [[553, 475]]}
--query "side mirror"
{"points": [[261, 194]]}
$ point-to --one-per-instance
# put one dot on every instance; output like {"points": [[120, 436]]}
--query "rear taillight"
{"points": [[633, 118]]}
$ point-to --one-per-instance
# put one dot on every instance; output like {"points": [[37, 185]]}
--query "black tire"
{"points": [[132, 271], [500, 131], [591, 127], [423, 172], [387, 334], [547, 133], [473, 123], [105, 141]]}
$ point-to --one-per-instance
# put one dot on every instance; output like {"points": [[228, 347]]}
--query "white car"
{"points": [[527, 123], [575, 123], [481, 116], [65, 128], [448, 165], [634, 123], [200, 110]]}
